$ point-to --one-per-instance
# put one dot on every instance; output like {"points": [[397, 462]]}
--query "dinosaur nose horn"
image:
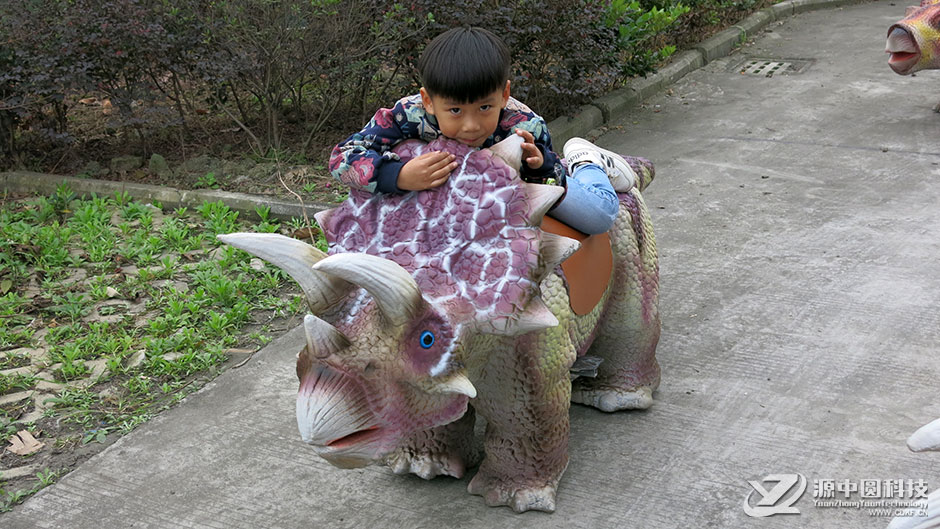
{"points": [[394, 290], [322, 338]]}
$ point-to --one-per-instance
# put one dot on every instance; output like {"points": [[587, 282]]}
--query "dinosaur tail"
{"points": [[644, 170]]}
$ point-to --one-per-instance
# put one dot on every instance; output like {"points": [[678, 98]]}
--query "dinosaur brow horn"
{"points": [[394, 290], [297, 259]]}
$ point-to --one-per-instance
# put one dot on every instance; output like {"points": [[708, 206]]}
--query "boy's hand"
{"points": [[431, 169], [531, 154]]}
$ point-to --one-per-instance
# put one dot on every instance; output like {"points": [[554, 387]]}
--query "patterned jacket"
{"points": [[365, 161]]}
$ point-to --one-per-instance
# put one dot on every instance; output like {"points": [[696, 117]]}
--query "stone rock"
{"points": [[14, 397], [25, 370], [158, 165], [217, 254], [78, 275], [136, 359], [98, 368], [92, 169], [180, 286], [200, 165], [48, 385], [20, 472], [123, 164]]}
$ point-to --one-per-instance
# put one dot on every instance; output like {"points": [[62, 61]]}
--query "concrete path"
{"points": [[799, 229]]}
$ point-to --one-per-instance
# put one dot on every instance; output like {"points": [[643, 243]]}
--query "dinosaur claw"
{"points": [[518, 498], [613, 399]]}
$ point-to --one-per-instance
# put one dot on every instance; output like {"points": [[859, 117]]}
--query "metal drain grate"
{"points": [[771, 67], [764, 68]]}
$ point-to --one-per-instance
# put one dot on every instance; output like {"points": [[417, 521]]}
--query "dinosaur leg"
{"points": [[447, 450], [629, 328], [527, 396]]}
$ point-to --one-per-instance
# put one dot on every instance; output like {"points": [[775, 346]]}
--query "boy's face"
{"points": [[469, 123]]}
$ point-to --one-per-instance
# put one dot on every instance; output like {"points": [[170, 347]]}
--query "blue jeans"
{"points": [[590, 205]]}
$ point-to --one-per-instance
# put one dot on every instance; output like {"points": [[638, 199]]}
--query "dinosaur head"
{"points": [[914, 42], [376, 379], [410, 282]]}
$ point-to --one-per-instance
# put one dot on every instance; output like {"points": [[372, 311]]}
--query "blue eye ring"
{"points": [[427, 339]]}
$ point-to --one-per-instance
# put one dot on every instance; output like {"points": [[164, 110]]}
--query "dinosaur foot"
{"points": [[610, 399], [429, 465], [519, 498]]}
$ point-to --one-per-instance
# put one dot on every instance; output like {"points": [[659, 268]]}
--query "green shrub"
{"points": [[287, 72], [637, 27]]}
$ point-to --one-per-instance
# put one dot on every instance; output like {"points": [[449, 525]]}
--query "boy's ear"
{"points": [[506, 94], [426, 101]]}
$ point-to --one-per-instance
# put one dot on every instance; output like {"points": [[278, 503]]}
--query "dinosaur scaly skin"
{"points": [[429, 302]]}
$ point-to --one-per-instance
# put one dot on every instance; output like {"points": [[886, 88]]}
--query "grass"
{"points": [[147, 303]]}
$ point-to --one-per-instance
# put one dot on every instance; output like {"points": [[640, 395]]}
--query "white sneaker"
{"points": [[579, 150]]}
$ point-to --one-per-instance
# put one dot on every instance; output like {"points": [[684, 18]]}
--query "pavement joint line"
{"points": [[886, 150], [588, 118]]}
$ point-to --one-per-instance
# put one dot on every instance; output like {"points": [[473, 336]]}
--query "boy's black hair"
{"points": [[465, 64]]}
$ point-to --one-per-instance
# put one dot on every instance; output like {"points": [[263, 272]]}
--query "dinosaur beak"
{"points": [[904, 50]]}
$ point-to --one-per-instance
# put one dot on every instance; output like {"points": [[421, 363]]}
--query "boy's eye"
{"points": [[484, 108], [454, 111]]}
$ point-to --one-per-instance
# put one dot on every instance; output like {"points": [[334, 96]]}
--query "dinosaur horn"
{"points": [[535, 317], [554, 250], [323, 217], [458, 383], [297, 259], [510, 150], [541, 197], [927, 438], [394, 290], [322, 338]]}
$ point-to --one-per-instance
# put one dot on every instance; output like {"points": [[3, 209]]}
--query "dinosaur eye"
{"points": [[427, 339]]}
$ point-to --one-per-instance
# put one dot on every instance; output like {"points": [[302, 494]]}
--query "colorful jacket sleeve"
{"points": [[365, 160]]}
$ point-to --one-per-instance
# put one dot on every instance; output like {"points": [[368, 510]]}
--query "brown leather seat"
{"points": [[588, 270]]}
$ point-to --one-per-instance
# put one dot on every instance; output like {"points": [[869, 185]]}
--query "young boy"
{"points": [[465, 97]]}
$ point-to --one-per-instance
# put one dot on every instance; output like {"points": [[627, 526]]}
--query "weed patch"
{"points": [[113, 310]]}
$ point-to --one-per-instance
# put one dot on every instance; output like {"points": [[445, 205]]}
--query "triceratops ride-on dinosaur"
{"points": [[433, 306]]}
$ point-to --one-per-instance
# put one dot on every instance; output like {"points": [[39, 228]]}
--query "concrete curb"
{"points": [[602, 110], [30, 182], [588, 118]]}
